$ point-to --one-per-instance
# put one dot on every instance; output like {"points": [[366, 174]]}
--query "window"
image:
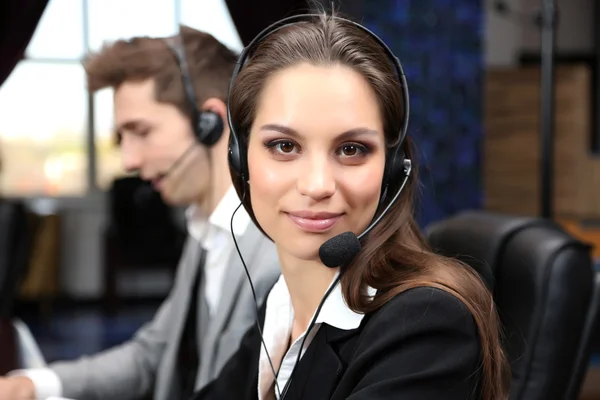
{"points": [[42, 133], [43, 108], [116, 19], [211, 16], [59, 34], [45, 128]]}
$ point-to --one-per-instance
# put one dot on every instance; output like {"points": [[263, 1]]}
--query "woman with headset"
{"points": [[319, 113]]}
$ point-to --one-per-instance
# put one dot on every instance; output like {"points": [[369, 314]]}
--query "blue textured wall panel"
{"points": [[440, 45]]}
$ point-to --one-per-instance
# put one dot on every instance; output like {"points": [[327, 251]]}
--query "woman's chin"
{"points": [[302, 251], [303, 246]]}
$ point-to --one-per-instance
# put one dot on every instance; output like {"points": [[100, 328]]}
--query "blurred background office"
{"points": [[87, 266]]}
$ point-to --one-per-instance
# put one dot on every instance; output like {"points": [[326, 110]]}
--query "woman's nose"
{"points": [[316, 178]]}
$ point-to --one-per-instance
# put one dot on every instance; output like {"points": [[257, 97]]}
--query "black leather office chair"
{"points": [[545, 290]]}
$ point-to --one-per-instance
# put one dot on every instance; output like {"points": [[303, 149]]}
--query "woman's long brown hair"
{"points": [[394, 257]]}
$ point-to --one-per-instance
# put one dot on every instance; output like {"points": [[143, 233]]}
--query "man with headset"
{"points": [[170, 117]]}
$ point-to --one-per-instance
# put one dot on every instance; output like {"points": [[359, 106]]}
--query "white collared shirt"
{"points": [[277, 330], [215, 235]]}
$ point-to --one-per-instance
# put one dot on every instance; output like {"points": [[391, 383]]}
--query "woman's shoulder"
{"points": [[422, 343], [423, 308]]}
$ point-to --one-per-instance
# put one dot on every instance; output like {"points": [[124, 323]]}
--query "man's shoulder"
{"points": [[263, 246], [267, 254], [265, 268]]}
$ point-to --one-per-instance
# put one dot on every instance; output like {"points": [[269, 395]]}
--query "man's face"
{"points": [[157, 141]]}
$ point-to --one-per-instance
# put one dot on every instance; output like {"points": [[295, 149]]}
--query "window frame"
{"points": [[93, 195]]}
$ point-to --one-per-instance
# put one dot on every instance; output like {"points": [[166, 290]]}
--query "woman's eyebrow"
{"points": [[349, 134]]}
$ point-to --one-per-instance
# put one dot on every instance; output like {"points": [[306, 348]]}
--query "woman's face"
{"points": [[316, 157]]}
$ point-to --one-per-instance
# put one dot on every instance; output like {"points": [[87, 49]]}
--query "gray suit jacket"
{"points": [[146, 363]]}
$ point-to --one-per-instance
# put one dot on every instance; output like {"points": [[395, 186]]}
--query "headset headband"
{"points": [[177, 48], [307, 17]]}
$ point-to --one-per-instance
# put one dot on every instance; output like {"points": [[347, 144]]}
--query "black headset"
{"points": [[207, 125], [397, 165]]}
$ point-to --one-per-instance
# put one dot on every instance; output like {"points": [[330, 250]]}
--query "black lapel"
{"points": [[323, 364]]}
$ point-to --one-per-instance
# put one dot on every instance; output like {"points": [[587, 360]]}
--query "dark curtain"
{"points": [[252, 16], [18, 20], [353, 9]]}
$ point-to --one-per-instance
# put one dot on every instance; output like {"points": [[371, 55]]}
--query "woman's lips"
{"points": [[314, 222]]}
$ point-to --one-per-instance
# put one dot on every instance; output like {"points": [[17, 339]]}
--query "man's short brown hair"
{"points": [[210, 66]]}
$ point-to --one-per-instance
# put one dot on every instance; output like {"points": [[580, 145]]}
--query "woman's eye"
{"points": [[352, 150], [285, 147], [349, 150], [282, 147]]}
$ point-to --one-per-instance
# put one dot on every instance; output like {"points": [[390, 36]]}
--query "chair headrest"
{"points": [[477, 238]]}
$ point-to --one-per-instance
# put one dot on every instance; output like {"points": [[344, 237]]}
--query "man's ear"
{"points": [[217, 106]]}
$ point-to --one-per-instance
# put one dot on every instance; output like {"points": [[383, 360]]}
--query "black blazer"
{"points": [[422, 345]]}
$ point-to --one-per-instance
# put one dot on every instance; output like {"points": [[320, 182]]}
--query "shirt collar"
{"points": [[203, 229], [335, 312]]}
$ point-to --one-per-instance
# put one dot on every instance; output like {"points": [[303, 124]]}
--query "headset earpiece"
{"points": [[238, 163], [394, 173], [235, 162], [208, 127]]}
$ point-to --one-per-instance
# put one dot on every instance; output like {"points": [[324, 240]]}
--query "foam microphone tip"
{"points": [[340, 250]]}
